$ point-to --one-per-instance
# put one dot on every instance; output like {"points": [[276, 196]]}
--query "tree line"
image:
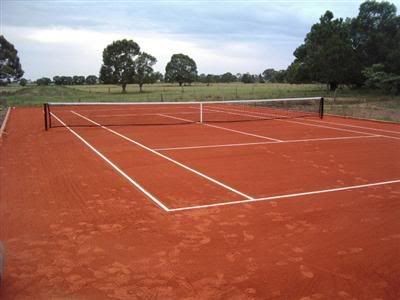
{"points": [[359, 51], [68, 80]]}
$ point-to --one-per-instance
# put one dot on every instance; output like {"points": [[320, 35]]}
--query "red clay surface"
{"points": [[74, 228]]}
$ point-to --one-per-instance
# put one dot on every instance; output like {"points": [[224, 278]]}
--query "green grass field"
{"points": [[356, 103]]}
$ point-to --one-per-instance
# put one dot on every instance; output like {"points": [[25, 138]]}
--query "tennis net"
{"points": [[83, 114]]}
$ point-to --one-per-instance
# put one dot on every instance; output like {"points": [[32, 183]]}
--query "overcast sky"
{"points": [[67, 37]]}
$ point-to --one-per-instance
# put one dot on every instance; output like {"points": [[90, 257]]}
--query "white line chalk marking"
{"points": [[115, 167], [345, 188], [227, 129], [267, 143], [166, 157]]}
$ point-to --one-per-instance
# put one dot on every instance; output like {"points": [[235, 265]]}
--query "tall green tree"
{"points": [[181, 69], [10, 66], [376, 35], [144, 72], [328, 54], [119, 63]]}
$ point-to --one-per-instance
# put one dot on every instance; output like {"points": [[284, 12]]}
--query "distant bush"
{"points": [[377, 78], [43, 81], [91, 79], [23, 82]]}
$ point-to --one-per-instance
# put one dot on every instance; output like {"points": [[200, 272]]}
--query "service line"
{"points": [[166, 157], [267, 143], [345, 188]]}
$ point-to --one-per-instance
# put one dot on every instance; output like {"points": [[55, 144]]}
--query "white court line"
{"points": [[297, 122], [330, 127], [362, 120], [267, 143], [227, 129], [166, 157], [4, 124], [356, 126], [115, 167], [352, 187], [341, 129]]}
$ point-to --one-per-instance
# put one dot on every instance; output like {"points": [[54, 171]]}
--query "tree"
{"points": [[23, 82], [43, 81], [248, 78], [158, 76], [298, 72], [78, 80], [228, 77], [181, 69], [327, 53], [269, 74], [144, 72], [280, 76], [57, 80], [119, 63], [67, 80], [10, 66], [377, 78], [376, 35], [91, 79]]}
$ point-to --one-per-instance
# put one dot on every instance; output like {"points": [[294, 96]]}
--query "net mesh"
{"points": [[172, 113]]}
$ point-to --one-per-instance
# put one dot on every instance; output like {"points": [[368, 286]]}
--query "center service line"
{"points": [[227, 129]]}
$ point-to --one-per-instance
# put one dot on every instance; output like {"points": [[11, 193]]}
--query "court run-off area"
{"points": [[167, 202]]}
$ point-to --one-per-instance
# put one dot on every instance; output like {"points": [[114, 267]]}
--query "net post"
{"points": [[201, 112], [49, 113], [45, 113], [321, 108]]}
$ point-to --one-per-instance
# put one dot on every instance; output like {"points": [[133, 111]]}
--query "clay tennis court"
{"points": [[287, 208]]}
